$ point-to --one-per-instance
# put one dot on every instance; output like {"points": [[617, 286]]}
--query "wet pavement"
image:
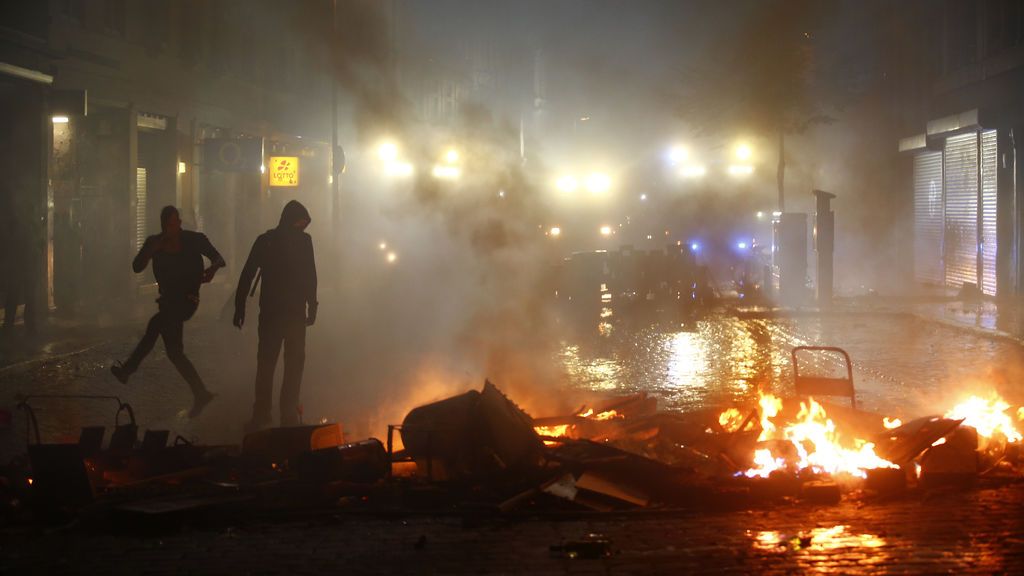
{"points": [[903, 365], [976, 532]]}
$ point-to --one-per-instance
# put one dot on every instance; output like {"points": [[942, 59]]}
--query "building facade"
{"points": [[968, 208], [120, 108]]}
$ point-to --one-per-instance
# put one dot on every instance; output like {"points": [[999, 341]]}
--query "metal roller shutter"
{"points": [[960, 175], [928, 218], [989, 160], [141, 193]]}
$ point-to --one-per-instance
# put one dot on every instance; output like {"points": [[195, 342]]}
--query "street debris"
{"points": [[479, 453]]}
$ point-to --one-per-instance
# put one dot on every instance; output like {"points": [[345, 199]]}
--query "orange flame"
{"points": [[891, 423], [770, 407], [561, 431], [552, 431], [988, 417], [730, 420], [817, 442], [608, 415]]}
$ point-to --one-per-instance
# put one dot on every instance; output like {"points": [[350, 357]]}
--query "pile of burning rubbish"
{"points": [[480, 451]]}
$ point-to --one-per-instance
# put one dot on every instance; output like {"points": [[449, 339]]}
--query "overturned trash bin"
{"points": [[470, 434]]}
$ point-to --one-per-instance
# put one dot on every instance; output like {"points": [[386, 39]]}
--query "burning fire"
{"points": [[606, 415], [562, 430], [816, 442], [988, 416], [891, 423], [552, 431], [730, 420]]}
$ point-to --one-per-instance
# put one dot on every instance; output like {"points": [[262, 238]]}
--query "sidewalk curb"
{"points": [[992, 333], [32, 362]]}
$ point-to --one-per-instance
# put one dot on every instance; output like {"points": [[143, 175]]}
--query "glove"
{"points": [[311, 313], [239, 318]]}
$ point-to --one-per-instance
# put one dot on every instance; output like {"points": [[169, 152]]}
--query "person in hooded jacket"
{"points": [[283, 257], [177, 257]]}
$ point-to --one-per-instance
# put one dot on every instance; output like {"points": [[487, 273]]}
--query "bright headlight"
{"points": [[387, 151], [598, 182], [566, 183], [445, 172]]}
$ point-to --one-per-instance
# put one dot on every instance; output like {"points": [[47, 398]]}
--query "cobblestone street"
{"points": [[978, 532], [725, 358]]}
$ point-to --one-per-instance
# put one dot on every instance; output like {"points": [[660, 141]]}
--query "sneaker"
{"points": [[200, 403], [121, 372]]}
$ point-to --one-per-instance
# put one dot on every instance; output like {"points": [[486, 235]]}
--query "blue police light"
{"points": [[741, 245], [694, 246]]}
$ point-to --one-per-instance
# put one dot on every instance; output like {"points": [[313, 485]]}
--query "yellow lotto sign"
{"points": [[284, 171]]}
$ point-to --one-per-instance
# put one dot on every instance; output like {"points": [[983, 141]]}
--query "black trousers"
{"points": [[274, 332], [169, 323]]}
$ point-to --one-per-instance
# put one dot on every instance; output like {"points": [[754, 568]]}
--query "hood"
{"points": [[293, 212]]}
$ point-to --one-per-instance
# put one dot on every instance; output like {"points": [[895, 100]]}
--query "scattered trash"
{"points": [[479, 453], [593, 547]]}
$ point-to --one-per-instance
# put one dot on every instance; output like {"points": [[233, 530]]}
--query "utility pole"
{"points": [[335, 169], [780, 174]]}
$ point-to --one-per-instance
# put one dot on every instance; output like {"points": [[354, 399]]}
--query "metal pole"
{"points": [[335, 173]]}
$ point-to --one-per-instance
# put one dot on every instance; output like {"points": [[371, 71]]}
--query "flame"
{"points": [[817, 444], [552, 431], [988, 417], [730, 420], [608, 415], [770, 407], [891, 423]]}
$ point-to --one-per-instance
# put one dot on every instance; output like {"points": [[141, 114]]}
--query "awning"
{"points": [[25, 73]]}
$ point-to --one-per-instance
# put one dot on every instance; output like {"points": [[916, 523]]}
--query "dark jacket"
{"points": [[284, 258], [180, 274]]}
